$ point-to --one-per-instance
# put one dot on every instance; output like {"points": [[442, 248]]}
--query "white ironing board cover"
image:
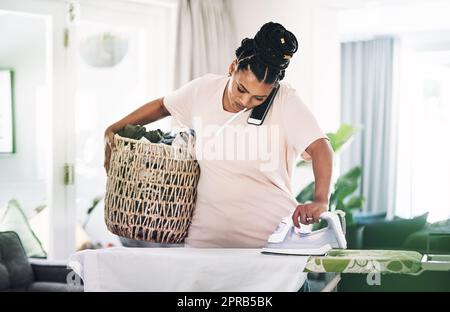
{"points": [[187, 269]]}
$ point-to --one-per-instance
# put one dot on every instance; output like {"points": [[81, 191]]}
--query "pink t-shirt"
{"points": [[245, 181]]}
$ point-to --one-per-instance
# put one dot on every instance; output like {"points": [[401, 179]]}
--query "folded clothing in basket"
{"points": [[137, 132], [180, 139]]}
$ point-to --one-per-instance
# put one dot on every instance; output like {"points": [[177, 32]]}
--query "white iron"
{"points": [[288, 240]]}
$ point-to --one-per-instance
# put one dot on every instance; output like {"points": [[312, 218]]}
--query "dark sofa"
{"points": [[375, 232], [17, 273]]}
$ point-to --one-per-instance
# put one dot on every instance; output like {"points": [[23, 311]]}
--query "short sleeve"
{"points": [[180, 103], [300, 125]]}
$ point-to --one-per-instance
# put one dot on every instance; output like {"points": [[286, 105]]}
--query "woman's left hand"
{"points": [[309, 213]]}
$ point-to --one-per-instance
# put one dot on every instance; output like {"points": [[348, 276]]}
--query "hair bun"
{"points": [[275, 45]]}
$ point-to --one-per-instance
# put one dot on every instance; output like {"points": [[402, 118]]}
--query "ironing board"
{"points": [[366, 261], [228, 269], [340, 261], [187, 269]]}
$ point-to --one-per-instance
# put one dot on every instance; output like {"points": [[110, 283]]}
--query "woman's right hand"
{"points": [[109, 146]]}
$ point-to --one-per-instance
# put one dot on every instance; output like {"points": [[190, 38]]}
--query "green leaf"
{"points": [[356, 202], [347, 183], [95, 201], [338, 140], [40, 208], [303, 163], [343, 136], [344, 189], [340, 205], [353, 174], [307, 194], [333, 140]]}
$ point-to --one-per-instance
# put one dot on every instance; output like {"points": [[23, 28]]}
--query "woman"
{"points": [[241, 199]]}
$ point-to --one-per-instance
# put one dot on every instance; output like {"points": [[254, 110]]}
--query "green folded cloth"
{"points": [[154, 136], [135, 132]]}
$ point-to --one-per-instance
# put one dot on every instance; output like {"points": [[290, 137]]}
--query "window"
{"points": [[424, 148], [6, 112]]}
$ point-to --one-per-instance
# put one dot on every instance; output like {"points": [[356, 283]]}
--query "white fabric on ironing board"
{"points": [[187, 269]]}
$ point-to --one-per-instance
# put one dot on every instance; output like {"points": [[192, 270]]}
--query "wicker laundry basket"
{"points": [[150, 191]]}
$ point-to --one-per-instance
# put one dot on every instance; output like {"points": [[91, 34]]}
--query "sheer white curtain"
{"points": [[367, 100], [424, 150], [204, 39]]}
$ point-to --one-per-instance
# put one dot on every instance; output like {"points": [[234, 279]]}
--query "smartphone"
{"points": [[259, 112]]}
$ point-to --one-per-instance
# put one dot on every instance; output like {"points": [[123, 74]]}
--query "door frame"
{"points": [[59, 196]]}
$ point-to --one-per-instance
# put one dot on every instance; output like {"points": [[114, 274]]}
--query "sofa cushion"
{"points": [[363, 218], [432, 239], [12, 218], [53, 287], [15, 270], [391, 234]]}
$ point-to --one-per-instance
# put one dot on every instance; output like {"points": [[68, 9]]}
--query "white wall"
{"points": [[314, 69], [23, 174], [400, 19]]}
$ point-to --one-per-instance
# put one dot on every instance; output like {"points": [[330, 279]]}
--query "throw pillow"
{"points": [[391, 234], [12, 218]]}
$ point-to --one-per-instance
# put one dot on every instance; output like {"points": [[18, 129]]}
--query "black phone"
{"points": [[259, 112]]}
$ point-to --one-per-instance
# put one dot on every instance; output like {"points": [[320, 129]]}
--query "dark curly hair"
{"points": [[268, 54]]}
